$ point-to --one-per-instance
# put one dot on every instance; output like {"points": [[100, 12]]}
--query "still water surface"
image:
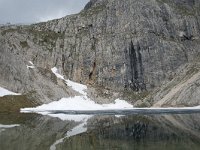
{"points": [[100, 132]]}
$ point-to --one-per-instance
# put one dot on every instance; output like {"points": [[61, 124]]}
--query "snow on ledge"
{"points": [[55, 71], [77, 87], [9, 126], [80, 88], [4, 92], [31, 65]]}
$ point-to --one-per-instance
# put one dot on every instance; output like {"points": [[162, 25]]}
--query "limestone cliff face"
{"points": [[131, 45]]}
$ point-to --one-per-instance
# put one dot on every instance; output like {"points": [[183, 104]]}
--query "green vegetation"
{"points": [[45, 38], [13, 103], [135, 96], [42, 37]]}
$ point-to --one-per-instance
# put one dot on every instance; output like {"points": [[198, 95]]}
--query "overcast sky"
{"points": [[31, 11]]}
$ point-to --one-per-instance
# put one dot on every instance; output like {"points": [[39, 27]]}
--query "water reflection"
{"points": [[37, 132], [4, 127], [138, 132]]}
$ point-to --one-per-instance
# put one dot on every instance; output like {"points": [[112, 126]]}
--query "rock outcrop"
{"points": [[123, 45]]}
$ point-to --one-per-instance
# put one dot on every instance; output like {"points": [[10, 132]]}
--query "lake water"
{"points": [[100, 132]]}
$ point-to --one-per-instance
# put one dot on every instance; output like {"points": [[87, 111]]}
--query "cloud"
{"points": [[30, 11]]}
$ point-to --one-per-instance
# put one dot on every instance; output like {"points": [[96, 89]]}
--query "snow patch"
{"points": [[78, 103], [4, 92], [28, 67], [4, 127], [9, 126], [80, 88], [55, 71], [84, 103], [181, 33], [31, 65], [77, 87], [119, 104]]}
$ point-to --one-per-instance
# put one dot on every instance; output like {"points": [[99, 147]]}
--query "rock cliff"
{"points": [[123, 45]]}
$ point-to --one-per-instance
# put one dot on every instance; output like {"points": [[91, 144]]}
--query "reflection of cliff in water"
{"points": [[104, 132], [35, 132], [139, 132]]}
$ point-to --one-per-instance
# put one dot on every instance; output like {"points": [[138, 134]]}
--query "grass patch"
{"points": [[45, 38], [42, 37], [132, 96], [13, 103]]}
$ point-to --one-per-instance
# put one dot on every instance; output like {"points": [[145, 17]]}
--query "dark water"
{"points": [[101, 132]]}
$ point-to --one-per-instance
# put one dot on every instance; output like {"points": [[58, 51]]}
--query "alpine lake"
{"points": [[134, 131]]}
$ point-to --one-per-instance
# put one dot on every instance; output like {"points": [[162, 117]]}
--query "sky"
{"points": [[32, 11]]}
